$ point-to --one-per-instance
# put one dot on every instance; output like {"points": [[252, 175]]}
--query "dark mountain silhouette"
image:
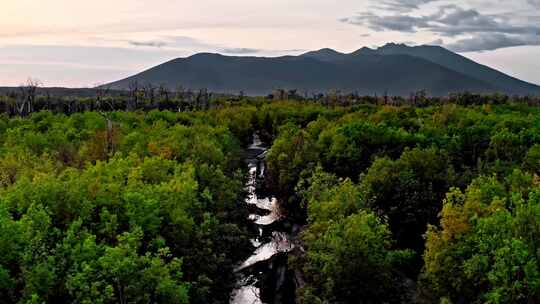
{"points": [[461, 64], [328, 55], [395, 69]]}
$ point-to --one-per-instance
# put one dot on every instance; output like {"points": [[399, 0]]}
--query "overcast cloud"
{"points": [[467, 29], [535, 3], [490, 42], [403, 5]]}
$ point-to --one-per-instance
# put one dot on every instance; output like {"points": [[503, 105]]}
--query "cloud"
{"points": [[491, 42], [483, 32], [437, 42], [190, 43], [173, 42], [453, 21], [240, 51], [403, 5], [535, 3], [186, 43], [449, 20], [399, 23], [157, 44]]}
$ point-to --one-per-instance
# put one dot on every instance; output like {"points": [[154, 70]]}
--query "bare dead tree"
{"points": [[28, 91], [133, 99], [201, 101], [293, 94], [180, 91], [180, 97], [188, 99], [102, 91], [48, 99], [110, 135], [152, 92], [163, 93]]}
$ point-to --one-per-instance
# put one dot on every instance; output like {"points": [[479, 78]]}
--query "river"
{"points": [[271, 239]]}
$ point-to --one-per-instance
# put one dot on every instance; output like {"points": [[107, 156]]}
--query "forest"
{"points": [[134, 199]]}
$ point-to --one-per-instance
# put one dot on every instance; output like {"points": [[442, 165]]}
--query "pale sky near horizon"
{"points": [[83, 43]]}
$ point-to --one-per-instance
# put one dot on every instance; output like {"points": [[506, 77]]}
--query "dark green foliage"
{"points": [[148, 212], [349, 248], [409, 192], [397, 204], [487, 249], [399, 163]]}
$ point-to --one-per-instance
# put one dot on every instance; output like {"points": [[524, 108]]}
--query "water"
{"points": [[247, 291]]}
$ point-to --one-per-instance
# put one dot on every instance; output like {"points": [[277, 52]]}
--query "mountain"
{"points": [[396, 69], [456, 62], [327, 55]]}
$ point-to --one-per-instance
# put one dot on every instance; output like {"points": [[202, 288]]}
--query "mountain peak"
{"points": [[206, 54], [325, 54], [325, 51], [393, 45], [363, 51]]}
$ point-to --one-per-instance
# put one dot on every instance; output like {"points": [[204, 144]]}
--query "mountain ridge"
{"points": [[394, 68]]}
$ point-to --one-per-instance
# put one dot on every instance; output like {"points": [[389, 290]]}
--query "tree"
{"points": [[349, 250], [351, 260], [487, 247], [409, 191], [133, 100], [28, 91], [532, 159]]}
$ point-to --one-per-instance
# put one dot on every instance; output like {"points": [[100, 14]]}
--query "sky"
{"points": [[75, 43]]}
